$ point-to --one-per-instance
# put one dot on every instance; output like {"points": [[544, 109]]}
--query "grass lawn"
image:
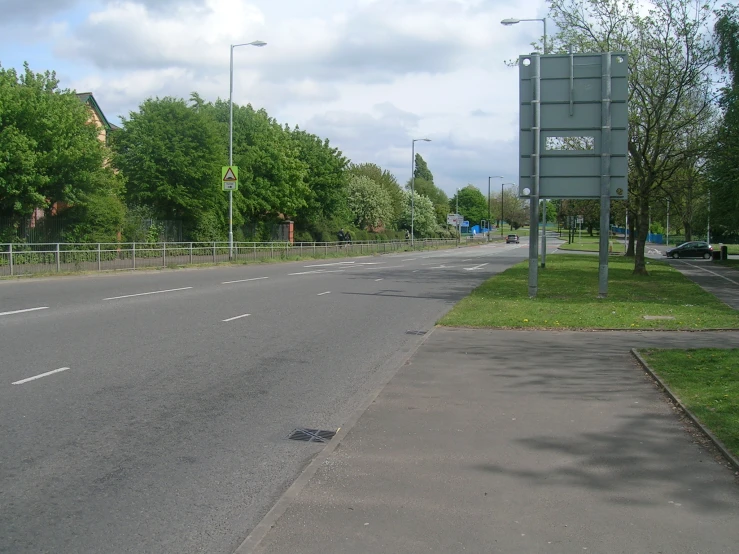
{"points": [[707, 382], [567, 299], [592, 244]]}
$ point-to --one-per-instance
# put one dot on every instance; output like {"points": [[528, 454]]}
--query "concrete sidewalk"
{"points": [[516, 441], [719, 280]]}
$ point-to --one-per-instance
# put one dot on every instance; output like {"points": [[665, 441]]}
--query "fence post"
{"points": [[190, 253], [98, 256], [164, 254], [133, 255], [271, 250], [10, 257], [58, 261], [214, 251]]}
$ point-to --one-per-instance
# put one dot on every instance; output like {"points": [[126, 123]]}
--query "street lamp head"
{"points": [[510, 21], [424, 140], [257, 43]]}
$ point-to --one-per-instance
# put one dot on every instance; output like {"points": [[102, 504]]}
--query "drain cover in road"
{"points": [[311, 435]]}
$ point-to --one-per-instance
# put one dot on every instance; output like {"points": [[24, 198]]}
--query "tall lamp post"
{"points": [[493, 177], [501, 205], [413, 182], [514, 21], [259, 44]]}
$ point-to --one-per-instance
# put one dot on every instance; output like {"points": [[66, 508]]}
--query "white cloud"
{"points": [[369, 75]]}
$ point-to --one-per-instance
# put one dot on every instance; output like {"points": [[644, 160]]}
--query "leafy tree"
{"points": [[588, 209], [369, 203], [388, 182], [99, 213], [669, 85], [49, 152], [437, 196], [422, 171], [325, 178], [171, 155], [424, 216], [723, 163], [472, 204], [273, 180]]}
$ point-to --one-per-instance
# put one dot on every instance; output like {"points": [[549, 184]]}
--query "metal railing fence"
{"points": [[25, 259]]}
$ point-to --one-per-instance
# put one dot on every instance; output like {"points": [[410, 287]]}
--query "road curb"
{"points": [[260, 531], [710, 436]]}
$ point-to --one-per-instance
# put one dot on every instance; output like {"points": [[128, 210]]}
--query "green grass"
{"points": [[707, 383], [567, 299], [592, 244]]}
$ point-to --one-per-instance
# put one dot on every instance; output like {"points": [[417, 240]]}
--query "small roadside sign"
{"points": [[454, 219], [580, 219], [230, 177]]}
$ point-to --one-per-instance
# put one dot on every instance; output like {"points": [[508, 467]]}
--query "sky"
{"points": [[369, 75]]}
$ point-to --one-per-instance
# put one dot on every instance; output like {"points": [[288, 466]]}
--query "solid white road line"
{"points": [[409, 260], [145, 293], [475, 267], [322, 293], [39, 376], [237, 317], [378, 280], [243, 280], [704, 269], [318, 271], [24, 311], [326, 265]]}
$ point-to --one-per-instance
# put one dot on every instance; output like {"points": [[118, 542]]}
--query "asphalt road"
{"points": [[167, 430]]}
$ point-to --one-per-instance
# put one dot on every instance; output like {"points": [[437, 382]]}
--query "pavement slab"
{"points": [[519, 441]]}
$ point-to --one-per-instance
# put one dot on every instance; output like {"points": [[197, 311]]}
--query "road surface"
{"points": [[148, 412]]}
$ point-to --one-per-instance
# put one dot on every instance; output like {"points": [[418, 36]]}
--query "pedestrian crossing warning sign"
{"points": [[230, 177]]}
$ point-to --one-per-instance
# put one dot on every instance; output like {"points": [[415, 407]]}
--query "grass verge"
{"points": [[707, 383], [567, 299]]}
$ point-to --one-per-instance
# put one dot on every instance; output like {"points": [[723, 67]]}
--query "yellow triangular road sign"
{"points": [[230, 176]]}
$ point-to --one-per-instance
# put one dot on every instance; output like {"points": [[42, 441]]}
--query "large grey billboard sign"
{"points": [[579, 135]]}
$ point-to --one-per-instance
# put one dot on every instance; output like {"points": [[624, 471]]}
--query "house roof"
{"points": [[89, 99]]}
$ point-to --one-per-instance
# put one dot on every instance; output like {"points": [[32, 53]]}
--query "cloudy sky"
{"points": [[369, 75]]}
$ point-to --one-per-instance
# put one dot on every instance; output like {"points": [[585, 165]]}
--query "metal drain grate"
{"points": [[415, 332], [311, 435]]}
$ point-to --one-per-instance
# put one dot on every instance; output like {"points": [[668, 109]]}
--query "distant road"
{"points": [[148, 412]]}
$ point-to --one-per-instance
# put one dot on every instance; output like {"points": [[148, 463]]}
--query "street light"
{"points": [[493, 177], [501, 205], [259, 44], [413, 181], [514, 21]]}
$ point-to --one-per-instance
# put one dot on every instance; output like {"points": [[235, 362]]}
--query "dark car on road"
{"points": [[693, 249], [511, 238]]}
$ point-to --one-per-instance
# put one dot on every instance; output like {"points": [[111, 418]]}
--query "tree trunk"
{"points": [[642, 229], [632, 227]]}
